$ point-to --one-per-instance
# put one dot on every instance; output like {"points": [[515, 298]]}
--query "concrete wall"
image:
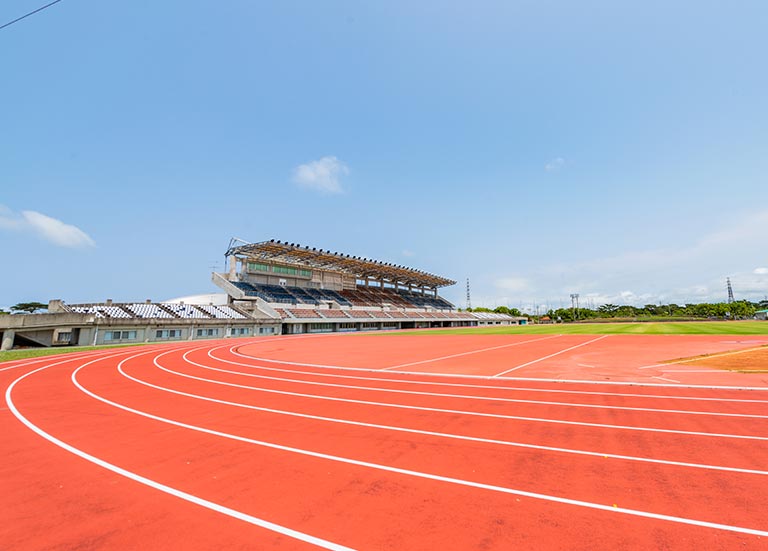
{"points": [[87, 329]]}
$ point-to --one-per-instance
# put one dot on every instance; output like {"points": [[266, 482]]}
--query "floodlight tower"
{"points": [[575, 304], [730, 289], [469, 300]]}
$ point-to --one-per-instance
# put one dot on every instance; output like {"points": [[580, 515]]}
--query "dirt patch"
{"points": [[752, 360]]}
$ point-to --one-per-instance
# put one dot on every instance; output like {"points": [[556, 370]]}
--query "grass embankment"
{"points": [[23, 354], [645, 328]]}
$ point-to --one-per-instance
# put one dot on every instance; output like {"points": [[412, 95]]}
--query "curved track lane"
{"points": [[202, 446]]}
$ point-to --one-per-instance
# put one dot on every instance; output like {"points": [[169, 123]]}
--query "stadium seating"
{"points": [[304, 313], [145, 310], [186, 311], [333, 314], [102, 311]]}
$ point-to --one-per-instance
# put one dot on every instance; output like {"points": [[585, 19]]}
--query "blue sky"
{"points": [[614, 149]]}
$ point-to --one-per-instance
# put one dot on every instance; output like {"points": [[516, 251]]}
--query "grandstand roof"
{"points": [[295, 254]]}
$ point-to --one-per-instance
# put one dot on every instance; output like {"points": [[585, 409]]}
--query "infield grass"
{"points": [[645, 328], [23, 354]]}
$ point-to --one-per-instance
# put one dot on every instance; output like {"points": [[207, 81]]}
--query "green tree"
{"points": [[607, 310], [29, 307], [3, 312]]}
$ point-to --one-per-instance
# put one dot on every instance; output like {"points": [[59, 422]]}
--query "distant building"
{"points": [[271, 288], [761, 315]]}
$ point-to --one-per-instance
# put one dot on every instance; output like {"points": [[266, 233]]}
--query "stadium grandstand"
{"points": [[272, 288], [313, 290]]}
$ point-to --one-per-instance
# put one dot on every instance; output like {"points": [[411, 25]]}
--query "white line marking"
{"points": [[233, 351], [665, 379], [585, 365], [470, 396], [429, 476], [454, 411], [551, 355], [157, 485], [24, 362], [121, 370], [705, 357], [470, 352], [489, 377]]}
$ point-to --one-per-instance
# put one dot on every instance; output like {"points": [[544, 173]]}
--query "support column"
{"points": [[8, 336]]}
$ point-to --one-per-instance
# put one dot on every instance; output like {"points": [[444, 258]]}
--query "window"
{"points": [[305, 273], [119, 335], [64, 336], [168, 334], [258, 267], [266, 330], [284, 270], [207, 332], [233, 331]]}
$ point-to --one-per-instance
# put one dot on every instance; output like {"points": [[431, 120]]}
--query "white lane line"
{"points": [[25, 362], [470, 352], [471, 396], [492, 377], [550, 356], [665, 379], [706, 357], [157, 485], [121, 370], [435, 477], [233, 351], [585, 365], [459, 412]]}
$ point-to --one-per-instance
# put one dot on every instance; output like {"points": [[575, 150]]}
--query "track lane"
{"points": [[499, 427], [501, 392], [496, 531], [591, 481]]}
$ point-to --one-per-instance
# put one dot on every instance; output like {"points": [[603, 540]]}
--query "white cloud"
{"points": [[8, 219], [555, 164], [323, 175], [408, 253], [50, 229], [693, 272]]}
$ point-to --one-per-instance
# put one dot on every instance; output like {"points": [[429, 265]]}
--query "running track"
{"points": [[242, 445]]}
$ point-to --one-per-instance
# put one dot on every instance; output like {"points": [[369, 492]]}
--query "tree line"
{"points": [[740, 309]]}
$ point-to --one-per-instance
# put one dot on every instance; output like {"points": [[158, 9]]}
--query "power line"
{"points": [[30, 13]]}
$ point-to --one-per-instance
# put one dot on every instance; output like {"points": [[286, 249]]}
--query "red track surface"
{"points": [[202, 446]]}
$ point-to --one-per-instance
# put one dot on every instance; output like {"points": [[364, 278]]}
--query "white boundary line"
{"points": [[499, 377], [154, 484], [469, 396], [705, 357], [601, 337], [233, 351], [459, 412], [121, 370], [25, 362], [470, 352], [417, 474]]}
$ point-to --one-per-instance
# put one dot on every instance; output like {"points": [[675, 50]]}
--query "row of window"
{"points": [[119, 335], [131, 335], [287, 270]]}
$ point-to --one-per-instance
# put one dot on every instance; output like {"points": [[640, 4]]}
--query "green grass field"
{"points": [[11, 355], [646, 328]]}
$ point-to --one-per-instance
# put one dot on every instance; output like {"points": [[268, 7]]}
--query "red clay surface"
{"points": [[201, 446]]}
